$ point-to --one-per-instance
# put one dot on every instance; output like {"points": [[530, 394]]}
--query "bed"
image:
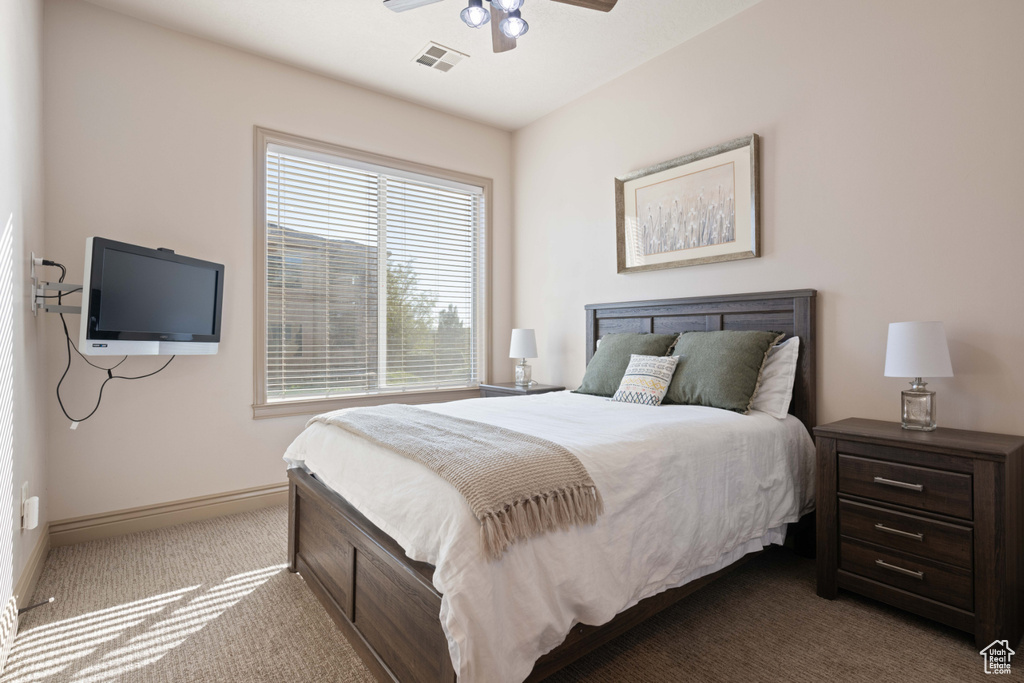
{"points": [[387, 604]]}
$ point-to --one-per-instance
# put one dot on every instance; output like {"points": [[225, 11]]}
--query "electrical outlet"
{"points": [[29, 509]]}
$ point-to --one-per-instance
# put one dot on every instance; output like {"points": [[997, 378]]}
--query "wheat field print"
{"points": [[690, 211]]}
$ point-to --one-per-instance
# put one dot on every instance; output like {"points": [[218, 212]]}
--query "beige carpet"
{"points": [[211, 601]]}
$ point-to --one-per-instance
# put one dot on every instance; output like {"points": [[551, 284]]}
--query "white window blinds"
{"points": [[373, 278]]}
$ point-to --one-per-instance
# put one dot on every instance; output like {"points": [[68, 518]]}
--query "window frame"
{"points": [[263, 138]]}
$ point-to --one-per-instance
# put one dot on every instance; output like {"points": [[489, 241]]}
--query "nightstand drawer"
{"points": [[947, 493], [927, 538], [943, 583]]}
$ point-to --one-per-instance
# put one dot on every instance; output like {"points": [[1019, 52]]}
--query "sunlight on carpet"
{"points": [[207, 601], [56, 646]]}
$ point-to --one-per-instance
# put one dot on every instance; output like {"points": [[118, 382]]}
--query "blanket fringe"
{"points": [[538, 514]]}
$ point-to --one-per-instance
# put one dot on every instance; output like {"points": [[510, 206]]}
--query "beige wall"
{"points": [[891, 165], [21, 199], [892, 152], [149, 137]]}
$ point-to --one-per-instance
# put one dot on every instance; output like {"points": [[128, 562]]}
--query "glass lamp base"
{"points": [[523, 374], [918, 407]]}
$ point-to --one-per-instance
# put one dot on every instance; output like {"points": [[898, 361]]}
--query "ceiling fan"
{"points": [[505, 16]]}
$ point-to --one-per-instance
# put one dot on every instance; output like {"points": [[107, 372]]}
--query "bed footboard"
{"points": [[386, 603], [383, 601]]}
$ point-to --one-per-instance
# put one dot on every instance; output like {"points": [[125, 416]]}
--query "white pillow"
{"points": [[777, 378]]}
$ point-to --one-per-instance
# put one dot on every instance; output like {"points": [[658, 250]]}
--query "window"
{"points": [[372, 275]]}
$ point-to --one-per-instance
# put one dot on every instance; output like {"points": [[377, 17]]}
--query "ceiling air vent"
{"points": [[439, 57]]}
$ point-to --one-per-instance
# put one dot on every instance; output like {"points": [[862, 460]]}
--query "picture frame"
{"points": [[700, 208]]}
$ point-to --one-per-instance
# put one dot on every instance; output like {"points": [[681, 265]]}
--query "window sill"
{"points": [[317, 406]]}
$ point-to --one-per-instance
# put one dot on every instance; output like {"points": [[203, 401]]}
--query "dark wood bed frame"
{"points": [[386, 604]]}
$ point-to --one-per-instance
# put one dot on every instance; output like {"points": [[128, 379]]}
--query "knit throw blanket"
{"points": [[518, 486]]}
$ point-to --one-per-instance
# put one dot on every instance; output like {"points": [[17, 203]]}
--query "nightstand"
{"points": [[930, 522], [512, 389]]}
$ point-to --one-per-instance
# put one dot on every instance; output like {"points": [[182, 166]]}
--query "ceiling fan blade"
{"points": [[599, 5], [403, 5], [499, 40]]}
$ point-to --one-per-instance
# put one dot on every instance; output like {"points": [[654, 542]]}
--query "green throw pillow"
{"points": [[606, 368], [719, 369]]}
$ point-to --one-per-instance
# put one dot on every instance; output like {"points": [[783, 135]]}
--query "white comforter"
{"points": [[686, 490]]}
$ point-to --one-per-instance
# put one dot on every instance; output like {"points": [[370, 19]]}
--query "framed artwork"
{"points": [[700, 208]]}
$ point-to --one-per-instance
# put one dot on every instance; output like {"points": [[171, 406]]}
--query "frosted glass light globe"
{"points": [[475, 15], [507, 6], [514, 25]]}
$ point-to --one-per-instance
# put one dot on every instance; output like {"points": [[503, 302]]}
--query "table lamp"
{"points": [[524, 345], [917, 349]]}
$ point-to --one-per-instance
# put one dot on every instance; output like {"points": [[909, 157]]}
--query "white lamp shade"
{"points": [[917, 349], [524, 344]]}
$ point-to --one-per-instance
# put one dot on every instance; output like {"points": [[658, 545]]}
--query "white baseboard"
{"points": [[120, 522], [26, 584]]}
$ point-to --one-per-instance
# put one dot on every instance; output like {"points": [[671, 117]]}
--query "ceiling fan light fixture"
{"points": [[514, 26], [507, 6], [475, 15]]}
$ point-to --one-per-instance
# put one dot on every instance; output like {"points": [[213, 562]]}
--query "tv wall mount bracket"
{"points": [[43, 293]]}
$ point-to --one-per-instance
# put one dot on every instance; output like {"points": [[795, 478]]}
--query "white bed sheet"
{"points": [[687, 490]]}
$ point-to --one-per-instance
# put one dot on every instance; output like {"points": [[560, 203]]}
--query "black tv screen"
{"points": [[140, 294], [146, 294]]}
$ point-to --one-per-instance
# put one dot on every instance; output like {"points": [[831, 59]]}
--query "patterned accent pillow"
{"points": [[646, 379]]}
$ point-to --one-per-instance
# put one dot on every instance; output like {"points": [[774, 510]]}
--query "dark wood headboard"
{"points": [[791, 312]]}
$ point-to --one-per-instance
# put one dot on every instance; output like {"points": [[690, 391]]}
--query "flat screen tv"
{"points": [[139, 301]]}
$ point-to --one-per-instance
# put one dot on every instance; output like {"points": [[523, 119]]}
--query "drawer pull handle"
{"points": [[899, 484], [897, 532], [900, 570]]}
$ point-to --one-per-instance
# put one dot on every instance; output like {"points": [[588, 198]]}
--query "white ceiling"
{"points": [[567, 52]]}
